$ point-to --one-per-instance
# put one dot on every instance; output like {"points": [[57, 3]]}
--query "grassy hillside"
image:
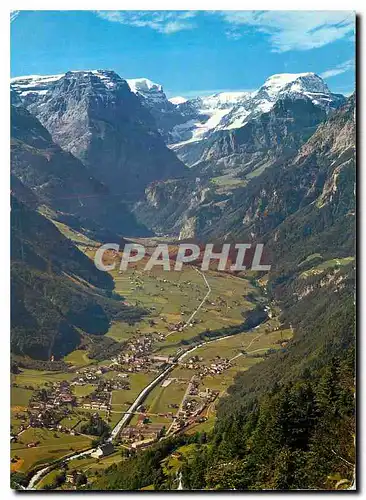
{"points": [[57, 293]]}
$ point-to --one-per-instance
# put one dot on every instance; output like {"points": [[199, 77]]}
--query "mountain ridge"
{"points": [[238, 104]]}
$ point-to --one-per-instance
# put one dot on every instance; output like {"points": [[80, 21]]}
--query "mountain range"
{"points": [[98, 153]]}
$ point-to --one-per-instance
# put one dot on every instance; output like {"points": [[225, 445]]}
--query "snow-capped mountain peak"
{"points": [[307, 85], [293, 82], [177, 100], [31, 88], [183, 120], [142, 85], [150, 93], [38, 84]]}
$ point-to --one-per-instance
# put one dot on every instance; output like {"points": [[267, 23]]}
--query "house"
{"points": [[103, 450], [143, 443], [70, 478], [73, 477]]}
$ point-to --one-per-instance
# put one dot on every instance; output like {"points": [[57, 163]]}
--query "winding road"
{"points": [[189, 320], [203, 301], [140, 398]]}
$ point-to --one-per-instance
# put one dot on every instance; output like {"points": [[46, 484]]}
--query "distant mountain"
{"points": [[304, 212], [234, 111], [152, 96], [229, 160], [107, 121], [95, 116]]}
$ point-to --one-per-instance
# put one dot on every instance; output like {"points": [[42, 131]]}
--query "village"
{"points": [[80, 406], [53, 404]]}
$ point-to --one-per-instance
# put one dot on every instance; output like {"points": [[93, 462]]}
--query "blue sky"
{"points": [[188, 52]]}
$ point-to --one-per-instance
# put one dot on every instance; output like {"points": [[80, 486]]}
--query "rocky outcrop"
{"points": [[60, 181], [95, 116], [153, 98]]}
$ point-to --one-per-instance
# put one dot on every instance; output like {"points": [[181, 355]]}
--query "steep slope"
{"points": [[288, 423], [243, 109], [95, 116], [62, 182], [203, 115], [32, 88], [56, 291], [266, 142], [153, 98]]}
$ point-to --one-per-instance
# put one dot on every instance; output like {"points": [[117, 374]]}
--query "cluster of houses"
{"points": [[48, 406], [142, 435], [56, 395], [218, 366]]}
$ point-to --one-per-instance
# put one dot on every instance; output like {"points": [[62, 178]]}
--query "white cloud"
{"points": [[13, 15], [339, 69], [296, 30], [162, 21], [233, 34]]}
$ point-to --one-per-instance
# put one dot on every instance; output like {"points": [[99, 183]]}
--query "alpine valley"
{"points": [[191, 380]]}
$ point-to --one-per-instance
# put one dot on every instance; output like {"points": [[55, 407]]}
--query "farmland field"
{"points": [[122, 398], [78, 358], [38, 378], [52, 445], [218, 300], [172, 296]]}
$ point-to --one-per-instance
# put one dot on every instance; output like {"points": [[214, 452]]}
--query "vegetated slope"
{"points": [[288, 422], [56, 291], [62, 182], [95, 116]]}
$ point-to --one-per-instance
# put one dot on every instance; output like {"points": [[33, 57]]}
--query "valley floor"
{"points": [[191, 332]]}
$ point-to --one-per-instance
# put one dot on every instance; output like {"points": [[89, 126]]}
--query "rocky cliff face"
{"points": [[187, 125], [153, 98], [278, 87], [308, 197], [238, 109], [95, 116], [59, 180], [231, 159]]}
